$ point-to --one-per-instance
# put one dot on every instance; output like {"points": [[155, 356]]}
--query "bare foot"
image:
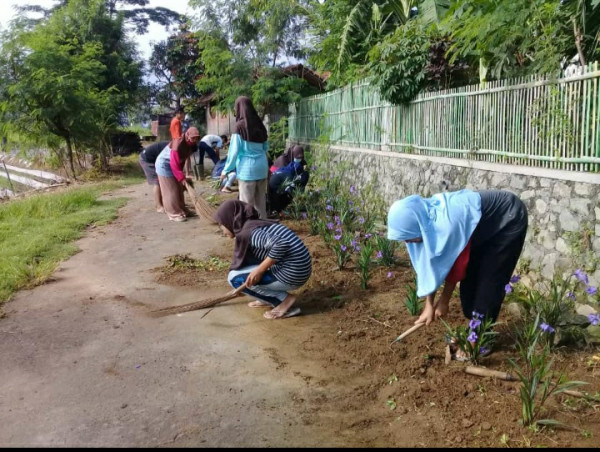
{"points": [[280, 314], [259, 304], [284, 310]]}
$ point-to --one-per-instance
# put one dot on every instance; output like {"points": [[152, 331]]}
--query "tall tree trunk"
{"points": [[577, 33], [70, 155]]}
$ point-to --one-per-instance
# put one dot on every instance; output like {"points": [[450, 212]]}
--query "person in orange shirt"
{"points": [[177, 132], [175, 128]]}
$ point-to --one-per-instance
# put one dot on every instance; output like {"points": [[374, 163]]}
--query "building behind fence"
{"points": [[535, 137]]}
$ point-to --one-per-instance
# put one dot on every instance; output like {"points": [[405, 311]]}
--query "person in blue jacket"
{"points": [[248, 155]]}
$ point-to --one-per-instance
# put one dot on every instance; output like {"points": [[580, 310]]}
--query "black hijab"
{"points": [[240, 218], [249, 125], [294, 152]]}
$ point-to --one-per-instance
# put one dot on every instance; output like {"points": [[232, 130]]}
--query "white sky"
{"points": [[155, 32]]}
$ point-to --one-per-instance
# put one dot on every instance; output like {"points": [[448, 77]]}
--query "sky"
{"points": [[155, 33]]}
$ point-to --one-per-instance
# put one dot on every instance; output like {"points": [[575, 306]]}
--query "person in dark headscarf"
{"points": [[268, 257], [293, 154], [171, 179], [248, 155], [286, 180], [471, 237]]}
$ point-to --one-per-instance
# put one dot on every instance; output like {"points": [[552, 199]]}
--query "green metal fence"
{"points": [[550, 123]]}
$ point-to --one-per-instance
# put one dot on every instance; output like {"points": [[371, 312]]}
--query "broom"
{"points": [[203, 209], [198, 304]]}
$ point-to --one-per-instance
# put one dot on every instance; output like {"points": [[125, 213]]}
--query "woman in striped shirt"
{"points": [[268, 257]]}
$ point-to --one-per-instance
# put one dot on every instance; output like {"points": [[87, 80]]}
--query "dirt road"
{"points": [[83, 365]]}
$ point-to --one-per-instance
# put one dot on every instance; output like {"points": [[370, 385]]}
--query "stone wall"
{"points": [[563, 206]]}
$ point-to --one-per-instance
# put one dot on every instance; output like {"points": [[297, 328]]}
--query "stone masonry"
{"points": [[564, 207]]}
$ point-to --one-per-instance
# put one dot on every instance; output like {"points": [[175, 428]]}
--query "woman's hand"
{"points": [[428, 314], [254, 277], [222, 176]]}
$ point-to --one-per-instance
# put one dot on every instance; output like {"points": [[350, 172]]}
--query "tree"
{"points": [[177, 66], [515, 37], [139, 16], [71, 76]]}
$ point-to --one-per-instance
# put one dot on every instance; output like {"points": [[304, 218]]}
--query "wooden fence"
{"points": [[534, 121]]}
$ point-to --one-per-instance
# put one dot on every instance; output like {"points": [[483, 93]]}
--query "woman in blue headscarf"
{"points": [[474, 238]]}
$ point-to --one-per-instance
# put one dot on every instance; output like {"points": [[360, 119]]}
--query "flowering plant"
{"points": [[475, 340]]}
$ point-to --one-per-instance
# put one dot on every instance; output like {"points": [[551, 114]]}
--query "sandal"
{"points": [[292, 312]]}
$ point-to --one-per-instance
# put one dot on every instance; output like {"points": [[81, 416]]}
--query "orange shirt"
{"points": [[175, 128]]}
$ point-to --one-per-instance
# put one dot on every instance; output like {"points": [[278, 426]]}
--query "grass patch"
{"points": [[184, 262], [36, 232]]}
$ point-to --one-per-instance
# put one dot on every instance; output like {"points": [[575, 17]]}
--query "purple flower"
{"points": [[379, 255], [361, 220], [546, 328], [474, 323], [357, 248], [339, 230], [483, 350], [594, 318], [476, 315], [328, 207], [508, 288], [330, 226], [591, 290], [571, 295], [343, 248], [336, 219], [337, 237], [350, 203], [368, 236], [581, 276], [303, 214], [314, 167], [352, 189], [353, 243], [472, 337], [390, 274], [515, 279]]}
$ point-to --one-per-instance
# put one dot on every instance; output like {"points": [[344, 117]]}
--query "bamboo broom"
{"points": [[198, 304], [203, 209]]}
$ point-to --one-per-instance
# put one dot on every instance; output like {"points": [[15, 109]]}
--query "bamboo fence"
{"points": [[532, 121]]}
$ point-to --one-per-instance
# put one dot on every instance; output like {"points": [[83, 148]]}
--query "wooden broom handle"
{"points": [[483, 372], [409, 331]]}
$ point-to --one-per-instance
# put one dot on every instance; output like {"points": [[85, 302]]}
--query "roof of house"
{"points": [[307, 74]]}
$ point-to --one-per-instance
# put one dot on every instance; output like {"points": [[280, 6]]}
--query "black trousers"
{"points": [[491, 265]]}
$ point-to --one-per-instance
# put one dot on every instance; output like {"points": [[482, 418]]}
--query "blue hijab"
{"points": [[445, 222]]}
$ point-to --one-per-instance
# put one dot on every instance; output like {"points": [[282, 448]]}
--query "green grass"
{"points": [[37, 233]]}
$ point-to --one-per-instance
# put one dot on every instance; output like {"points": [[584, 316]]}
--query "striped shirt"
{"points": [[293, 265]]}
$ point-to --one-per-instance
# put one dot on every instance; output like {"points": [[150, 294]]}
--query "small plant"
{"points": [[475, 340], [342, 248], [412, 302], [364, 263], [393, 378], [386, 248], [392, 404], [538, 381]]}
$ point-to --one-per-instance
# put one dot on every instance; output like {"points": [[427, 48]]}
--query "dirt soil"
{"points": [[85, 365]]}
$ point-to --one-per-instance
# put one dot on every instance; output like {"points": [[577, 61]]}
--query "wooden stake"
{"points": [[483, 372]]}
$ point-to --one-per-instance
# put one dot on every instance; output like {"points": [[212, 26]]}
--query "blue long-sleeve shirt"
{"points": [[248, 159]]}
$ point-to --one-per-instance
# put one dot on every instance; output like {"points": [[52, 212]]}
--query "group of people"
{"points": [[166, 164], [469, 237]]}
